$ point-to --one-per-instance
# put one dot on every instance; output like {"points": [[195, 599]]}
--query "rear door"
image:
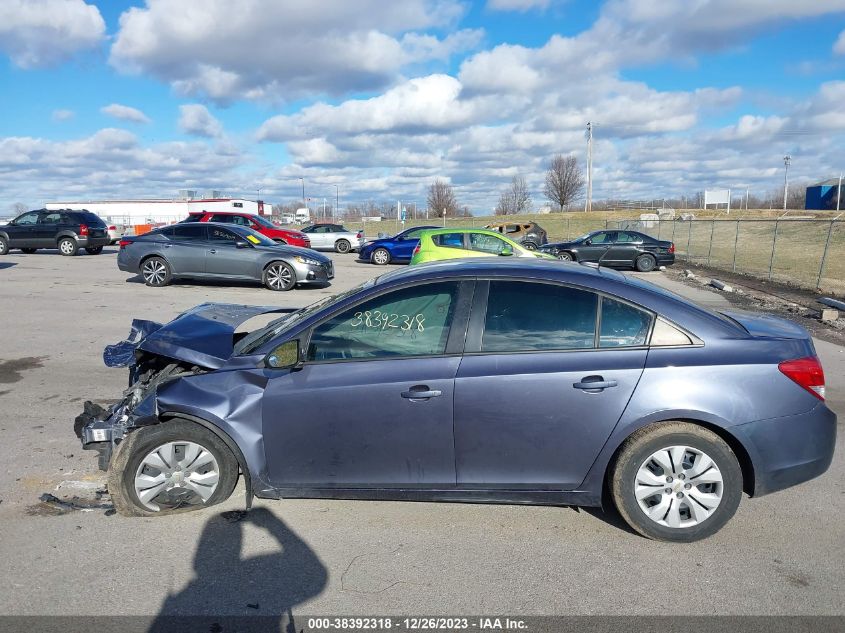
{"points": [[624, 250], [186, 250], [547, 373], [48, 226]]}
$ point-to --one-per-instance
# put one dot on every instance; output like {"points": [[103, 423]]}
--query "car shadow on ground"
{"points": [[7, 265], [224, 283], [232, 592]]}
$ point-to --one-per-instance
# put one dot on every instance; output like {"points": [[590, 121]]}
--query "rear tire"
{"points": [[279, 276], [156, 272], [28, 251], [132, 469], [342, 246], [669, 458], [68, 247], [645, 263], [96, 250], [380, 257]]}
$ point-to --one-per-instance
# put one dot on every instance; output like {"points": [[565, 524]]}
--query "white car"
{"points": [[334, 237], [116, 231]]}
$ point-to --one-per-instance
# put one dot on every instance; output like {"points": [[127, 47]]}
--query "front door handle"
{"points": [[421, 392], [594, 384], [212, 251]]}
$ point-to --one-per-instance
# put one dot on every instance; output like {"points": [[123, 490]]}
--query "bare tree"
{"points": [[19, 207], [441, 199], [564, 181], [515, 199]]}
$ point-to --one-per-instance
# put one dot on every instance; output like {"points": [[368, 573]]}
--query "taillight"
{"points": [[112, 228], [806, 372], [417, 249], [359, 235], [672, 247], [124, 243], [83, 229]]}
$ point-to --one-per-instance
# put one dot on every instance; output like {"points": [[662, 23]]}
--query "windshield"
{"points": [[581, 238], [254, 237], [256, 339], [263, 221]]}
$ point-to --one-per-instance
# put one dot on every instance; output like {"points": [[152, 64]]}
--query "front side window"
{"points": [[622, 325], [189, 232], [449, 240], [27, 219], [602, 238], [513, 228], [487, 243], [413, 235], [538, 317], [409, 322], [222, 236]]}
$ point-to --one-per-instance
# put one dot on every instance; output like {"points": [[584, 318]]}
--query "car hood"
{"points": [[203, 335]]}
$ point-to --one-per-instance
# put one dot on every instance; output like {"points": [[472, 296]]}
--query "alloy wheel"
{"points": [[66, 246], [564, 257], [381, 257], [154, 272], [173, 468], [279, 277], [679, 486]]}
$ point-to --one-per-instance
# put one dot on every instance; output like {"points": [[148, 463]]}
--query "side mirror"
{"points": [[241, 244], [381, 236], [587, 242], [507, 251], [285, 356]]}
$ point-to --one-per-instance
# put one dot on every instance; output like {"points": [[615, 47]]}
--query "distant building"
{"points": [[822, 195], [132, 212]]}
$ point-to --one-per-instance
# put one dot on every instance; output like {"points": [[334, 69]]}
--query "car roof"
{"points": [[463, 229]]}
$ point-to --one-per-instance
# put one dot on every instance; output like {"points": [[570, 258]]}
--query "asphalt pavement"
{"points": [[781, 554]]}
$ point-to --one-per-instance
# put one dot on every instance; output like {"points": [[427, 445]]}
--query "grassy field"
{"points": [[742, 241]]}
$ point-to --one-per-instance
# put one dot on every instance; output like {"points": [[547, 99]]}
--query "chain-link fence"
{"points": [[805, 252]]}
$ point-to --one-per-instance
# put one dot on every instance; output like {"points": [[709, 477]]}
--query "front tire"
{"points": [[380, 257], [175, 466], [94, 250], [564, 257], [676, 481], [4, 246], [279, 276], [531, 246], [645, 263], [342, 246], [156, 272], [68, 247]]}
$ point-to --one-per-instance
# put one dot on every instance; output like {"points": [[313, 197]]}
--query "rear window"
{"points": [[194, 217]]}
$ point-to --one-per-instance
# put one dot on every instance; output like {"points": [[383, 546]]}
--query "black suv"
{"points": [[64, 229]]}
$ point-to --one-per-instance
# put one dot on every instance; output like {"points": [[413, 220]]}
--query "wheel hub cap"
{"points": [[184, 466], [678, 486]]}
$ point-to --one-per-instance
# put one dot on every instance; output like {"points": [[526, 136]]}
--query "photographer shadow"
{"points": [[256, 593]]}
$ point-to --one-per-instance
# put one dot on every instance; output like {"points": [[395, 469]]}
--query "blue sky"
{"points": [[140, 99]]}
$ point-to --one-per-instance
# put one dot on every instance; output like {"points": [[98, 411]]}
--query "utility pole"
{"points": [[786, 160], [303, 192], [839, 193], [336, 201], [590, 166]]}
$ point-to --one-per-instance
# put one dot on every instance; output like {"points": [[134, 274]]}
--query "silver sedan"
{"points": [[334, 237], [220, 251]]}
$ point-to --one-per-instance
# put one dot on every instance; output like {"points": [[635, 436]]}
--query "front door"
{"points": [[538, 393], [22, 231], [372, 405], [225, 258], [597, 248]]}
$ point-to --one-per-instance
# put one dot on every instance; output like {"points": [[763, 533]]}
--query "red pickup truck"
{"points": [[256, 223]]}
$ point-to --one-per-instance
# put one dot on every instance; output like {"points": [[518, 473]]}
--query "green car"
{"points": [[439, 244]]}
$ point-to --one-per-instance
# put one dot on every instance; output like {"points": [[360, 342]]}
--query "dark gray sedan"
{"points": [[211, 250]]}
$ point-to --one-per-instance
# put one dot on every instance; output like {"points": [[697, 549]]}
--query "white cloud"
{"points": [[195, 119], [283, 50], [38, 33], [839, 45], [63, 115], [517, 5], [125, 113]]}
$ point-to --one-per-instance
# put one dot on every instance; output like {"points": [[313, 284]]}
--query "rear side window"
{"points": [[89, 218], [449, 240], [622, 325], [51, 218], [189, 232], [536, 317]]}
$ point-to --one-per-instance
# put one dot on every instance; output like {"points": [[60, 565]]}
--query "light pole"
{"points": [[786, 160], [336, 201], [303, 192]]}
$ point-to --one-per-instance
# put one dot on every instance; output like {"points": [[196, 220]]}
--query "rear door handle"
{"points": [[212, 251], [421, 392], [594, 383]]}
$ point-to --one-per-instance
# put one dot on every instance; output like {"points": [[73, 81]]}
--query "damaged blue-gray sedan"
{"points": [[474, 381]]}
